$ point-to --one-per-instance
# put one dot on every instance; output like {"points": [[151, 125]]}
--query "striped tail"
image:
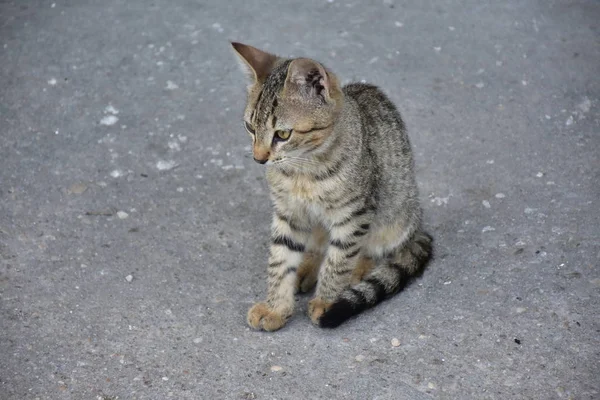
{"points": [[382, 282]]}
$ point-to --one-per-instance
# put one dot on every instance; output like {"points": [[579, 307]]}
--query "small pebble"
{"points": [[431, 385], [122, 214], [217, 26], [165, 165], [500, 195], [129, 278], [539, 174], [109, 120], [395, 342], [486, 204], [487, 229], [164, 378], [360, 358], [78, 188], [174, 145], [276, 368], [479, 85], [198, 340], [171, 85], [569, 121], [110, 109], [521, 310]]}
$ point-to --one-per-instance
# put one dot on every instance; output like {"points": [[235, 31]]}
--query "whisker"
{"points": [[303, 160], [297, 164]]}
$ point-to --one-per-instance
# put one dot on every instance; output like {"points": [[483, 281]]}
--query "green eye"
{"points": [[249, 128], [282, 135]]}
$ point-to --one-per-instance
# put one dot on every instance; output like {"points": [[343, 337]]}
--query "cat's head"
{"points": [[291, 108]]}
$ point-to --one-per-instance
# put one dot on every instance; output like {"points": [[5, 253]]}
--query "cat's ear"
{"points": [[256, 63], [309, 77]]}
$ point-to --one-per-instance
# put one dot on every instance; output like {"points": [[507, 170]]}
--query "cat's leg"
{"points": [[341, 260], [288, 242], [308, 270]]}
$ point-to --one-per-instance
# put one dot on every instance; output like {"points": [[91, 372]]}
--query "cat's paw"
{"points": [[261, 316], [316, 308]]}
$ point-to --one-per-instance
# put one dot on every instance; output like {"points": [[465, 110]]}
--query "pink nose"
{"points": [[261, 156]]}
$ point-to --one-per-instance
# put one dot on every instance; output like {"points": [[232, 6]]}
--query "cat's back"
{"points": [[387, 155], [383, 129], [374, 106], [363, 92]]}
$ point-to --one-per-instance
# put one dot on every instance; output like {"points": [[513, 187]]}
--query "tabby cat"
{"points": [[340, 170]]}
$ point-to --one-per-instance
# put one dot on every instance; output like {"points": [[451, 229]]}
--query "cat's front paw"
{"points": [[261, 316], [316, 308]]}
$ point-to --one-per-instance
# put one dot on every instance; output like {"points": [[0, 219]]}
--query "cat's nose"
{"points": [[261, 155], [261, 161]]}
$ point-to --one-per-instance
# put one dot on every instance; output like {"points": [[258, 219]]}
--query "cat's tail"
{"points": [[382, 282]]}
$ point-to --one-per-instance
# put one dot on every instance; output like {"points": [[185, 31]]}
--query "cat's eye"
{"points": [[282, 135], [249, 128]]}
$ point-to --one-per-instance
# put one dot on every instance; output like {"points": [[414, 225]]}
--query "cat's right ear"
{"points": [[256, 63], [310, 78]]}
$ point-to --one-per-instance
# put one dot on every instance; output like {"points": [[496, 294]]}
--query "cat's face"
{"points": [[291, 108]]}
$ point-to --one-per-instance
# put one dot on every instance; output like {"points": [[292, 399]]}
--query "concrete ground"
{"points": [[134, 225]]}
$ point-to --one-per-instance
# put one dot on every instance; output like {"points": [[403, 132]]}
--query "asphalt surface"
{"points": [[134, 224]]}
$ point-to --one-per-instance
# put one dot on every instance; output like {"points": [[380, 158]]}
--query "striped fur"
{"points": [[383, 281], [346, 207]]}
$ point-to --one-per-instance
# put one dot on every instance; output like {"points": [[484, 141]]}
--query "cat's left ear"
{"points": [[256, 63], [309, 78]]}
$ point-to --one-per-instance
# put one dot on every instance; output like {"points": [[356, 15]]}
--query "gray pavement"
{"points": [[134, 225]]}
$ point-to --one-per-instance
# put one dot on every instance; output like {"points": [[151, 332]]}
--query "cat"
{"points": [[340, 170]]}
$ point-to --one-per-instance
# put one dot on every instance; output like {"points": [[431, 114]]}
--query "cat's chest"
{"points": [[304, 189], [301, 189]]}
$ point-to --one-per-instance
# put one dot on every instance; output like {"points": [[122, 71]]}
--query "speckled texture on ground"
{"points": [[134, 226]]}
